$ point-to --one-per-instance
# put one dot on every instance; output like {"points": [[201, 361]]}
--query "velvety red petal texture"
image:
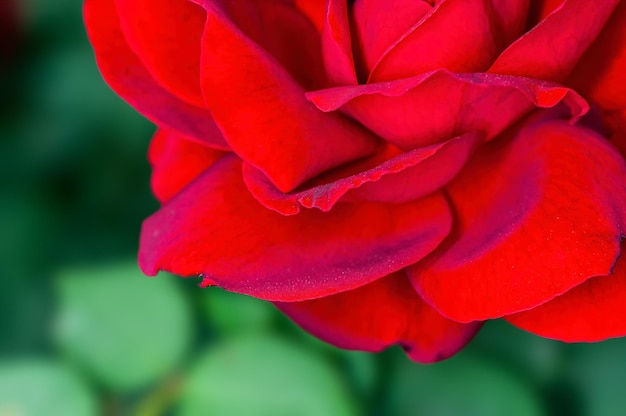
{"points": [[600, 72], [165, 35], [535, 216], [455, 35], [551, 49], [592, 311], [509, 19], [315, 11], [216, 229], [176, 161], [375, 29], [337, 45], [401, 178], [264, 114], [281, 29], [381, 314], [617, 123], [426, 109], [125, 73]]}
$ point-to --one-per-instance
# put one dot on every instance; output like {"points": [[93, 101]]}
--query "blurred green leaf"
{"points": [[26, 227], [263, 376], [360, 369], [598, 372], [35, 388], [534, 357], [234, 313], [463, 385], [125, 328]]}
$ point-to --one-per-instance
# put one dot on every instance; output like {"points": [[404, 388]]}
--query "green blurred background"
{"points": [[83, 332]]}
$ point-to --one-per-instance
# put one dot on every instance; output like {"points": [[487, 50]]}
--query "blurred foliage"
{"points": [[34, 387], [82, 332], [100, 325], [264, 375]]}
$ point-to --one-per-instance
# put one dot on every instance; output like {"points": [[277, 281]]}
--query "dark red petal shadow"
{"points": [[264, 114], [377, 28], [315, 11], [455, 35], [337, 45], [540, 9], [426, 109], [381, 314], [165, 35], [552, 48], [216, 229], [394, 179], [281, 29], [535, 217], [509, 19], [176, 161], [127, 76], [600, 72], [592, 311], [617, 124]]}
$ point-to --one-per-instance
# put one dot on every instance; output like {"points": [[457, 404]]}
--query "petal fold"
{"points": [[376, 27], [176, 161], [381, 314], [425, 109], [456, 35], [129, 78], [590, 312], [315, 11], [385, 177], [600, 73], [617, 124], [337, 45], [165, 35], [214, 228], [283, 30], [550, 50], [535, 216], [509, 18], [540, 9], [264, 114]]}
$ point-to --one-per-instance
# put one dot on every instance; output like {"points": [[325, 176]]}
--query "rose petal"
{"points": [[337, 45], [216, 229], [422, 110], [540, 9], [381, 314], [397, 179], [264, 114], [456, 35], [377, 28], [535, 217], [165, 35], [176, 161], [315, 10], [127, 76], [617, 123], [281, 29], [551, 49], [509, 18], [592, 311], [600, 72]]}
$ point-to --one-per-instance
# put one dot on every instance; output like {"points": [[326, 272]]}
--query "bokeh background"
{"points": [[83, 332]]}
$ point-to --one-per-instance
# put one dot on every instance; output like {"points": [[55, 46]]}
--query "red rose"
{"points": [[386, 172]]}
